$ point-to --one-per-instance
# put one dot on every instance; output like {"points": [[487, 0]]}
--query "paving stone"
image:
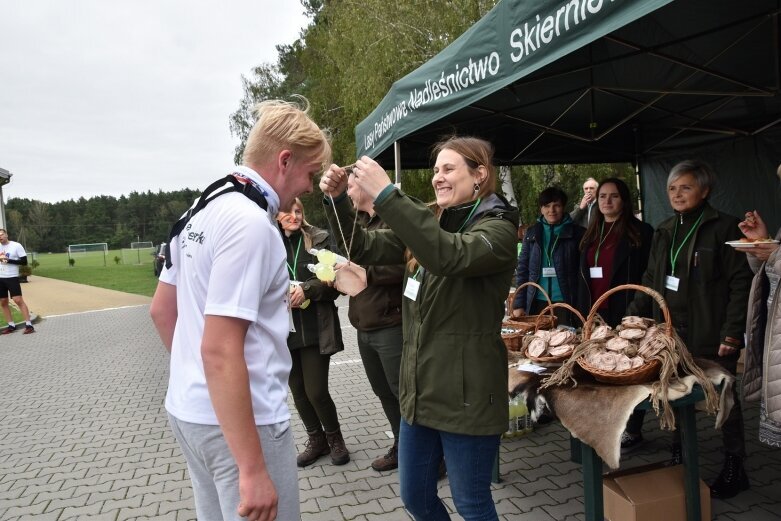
{"points": [[102, 433], [147, 512], [176, 506], [333, 514]]}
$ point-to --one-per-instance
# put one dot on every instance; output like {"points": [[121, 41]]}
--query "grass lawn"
{"points": [[88, 269]]}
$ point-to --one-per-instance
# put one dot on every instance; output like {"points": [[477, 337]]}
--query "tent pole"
{"points": [[397, 163]]}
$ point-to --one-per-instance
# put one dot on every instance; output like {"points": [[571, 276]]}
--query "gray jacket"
{"points": [[762, 371], [581, 216]]}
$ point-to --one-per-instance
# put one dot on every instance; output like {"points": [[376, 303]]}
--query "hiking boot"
{"points": [[630, 442], [339, 453], [315, 447], [7, 330], [28, 330], [389, 461], [732, 480]]}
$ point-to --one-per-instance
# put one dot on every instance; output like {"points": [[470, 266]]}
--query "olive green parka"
{"points": [[454, 364]]}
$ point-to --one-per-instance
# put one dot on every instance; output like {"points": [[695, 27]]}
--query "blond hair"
{"points": [[282, 125]]}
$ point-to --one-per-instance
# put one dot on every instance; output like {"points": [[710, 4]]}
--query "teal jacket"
{"points": [[454, 364]]}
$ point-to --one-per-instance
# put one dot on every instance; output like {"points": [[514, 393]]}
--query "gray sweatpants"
{"points": [[215, 476]]}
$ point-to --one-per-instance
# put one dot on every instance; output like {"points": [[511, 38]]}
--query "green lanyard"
{"points": [[602, 239], [471, 213], [549, 253], [295, 261], [674, 257]]}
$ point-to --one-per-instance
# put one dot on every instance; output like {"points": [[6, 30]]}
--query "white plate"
{"points": [[741, 244]]}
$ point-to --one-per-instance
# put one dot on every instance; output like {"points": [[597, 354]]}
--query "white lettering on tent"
{"points": [[528, 38], [462, 77], [385, 123]]}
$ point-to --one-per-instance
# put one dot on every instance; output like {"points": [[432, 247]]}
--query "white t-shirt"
{"points": [[230, 261], [12, 250]]}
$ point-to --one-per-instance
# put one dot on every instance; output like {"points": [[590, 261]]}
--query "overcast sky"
{"points": [[103, 97]]}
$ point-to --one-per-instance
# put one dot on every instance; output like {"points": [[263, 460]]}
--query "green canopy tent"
{"points": [[590, 81]]}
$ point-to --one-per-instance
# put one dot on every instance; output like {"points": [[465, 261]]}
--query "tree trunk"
{"points": [[507, 185]]}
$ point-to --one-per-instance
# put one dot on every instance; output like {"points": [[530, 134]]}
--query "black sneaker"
{"points": [[28, 330], [7, 330], [630, 442]]}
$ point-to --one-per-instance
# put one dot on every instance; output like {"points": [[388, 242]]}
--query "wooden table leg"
{"points": [[691, 468], [592, 483]]}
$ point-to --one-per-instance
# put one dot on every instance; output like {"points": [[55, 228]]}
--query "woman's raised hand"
{"points": [[753, 227], [370, 176], [333, 182]]}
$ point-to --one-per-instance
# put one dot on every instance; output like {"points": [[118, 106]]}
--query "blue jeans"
{"points": [[469, 461]]}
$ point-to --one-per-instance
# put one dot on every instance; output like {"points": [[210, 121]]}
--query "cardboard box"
{"points": [[650, 493]]}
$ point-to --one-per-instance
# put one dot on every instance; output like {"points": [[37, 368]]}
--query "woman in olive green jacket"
{"points": [[453, 381]]}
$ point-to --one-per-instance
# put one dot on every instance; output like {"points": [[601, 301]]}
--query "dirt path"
{"points": [[49, 297]]}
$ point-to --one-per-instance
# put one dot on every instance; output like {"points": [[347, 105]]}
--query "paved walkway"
{"points": [[83, 435]]}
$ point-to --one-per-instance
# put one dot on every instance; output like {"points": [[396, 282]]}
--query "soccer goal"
{"points": [[141, 245], [92, 254], [136, 255]]}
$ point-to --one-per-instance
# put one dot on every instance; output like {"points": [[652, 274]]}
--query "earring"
{"points": [[476, 188]]}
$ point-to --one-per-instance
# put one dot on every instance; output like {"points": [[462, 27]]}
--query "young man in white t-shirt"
{"points": [[12, 255], [221, 309]]}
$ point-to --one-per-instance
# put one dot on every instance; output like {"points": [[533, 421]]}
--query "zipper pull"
{"points": [[681, 218]]}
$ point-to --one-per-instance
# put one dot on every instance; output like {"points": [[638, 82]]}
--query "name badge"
{"points": [[671, 283], [411, 291], [549, 272], [596, 272]]}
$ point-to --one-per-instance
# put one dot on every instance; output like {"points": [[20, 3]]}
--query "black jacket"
{"points": [[719, 279], [318, 324]]}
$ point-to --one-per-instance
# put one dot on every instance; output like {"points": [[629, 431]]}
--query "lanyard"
{"points": [[549, 253], [295, 261], [602, 239], [471, 213], [674, 257]]}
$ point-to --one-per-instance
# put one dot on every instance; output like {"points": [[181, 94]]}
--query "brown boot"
{"points": [[316, 446], [389, 461], [339, 453]]}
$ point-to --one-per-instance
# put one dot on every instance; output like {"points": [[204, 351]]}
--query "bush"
{"points": [[117, 259], [25, 271], [34, 264], [72, 262]]}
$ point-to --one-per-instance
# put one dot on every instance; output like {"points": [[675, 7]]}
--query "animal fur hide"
{"points": [[596, 414]]}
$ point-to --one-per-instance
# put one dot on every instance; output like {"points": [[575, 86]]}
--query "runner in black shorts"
{"points": [[12, 255]]}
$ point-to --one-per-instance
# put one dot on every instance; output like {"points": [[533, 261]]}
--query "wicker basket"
{"points": [[647, 372], [513, 341], [552, 359], [529, 322]]}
